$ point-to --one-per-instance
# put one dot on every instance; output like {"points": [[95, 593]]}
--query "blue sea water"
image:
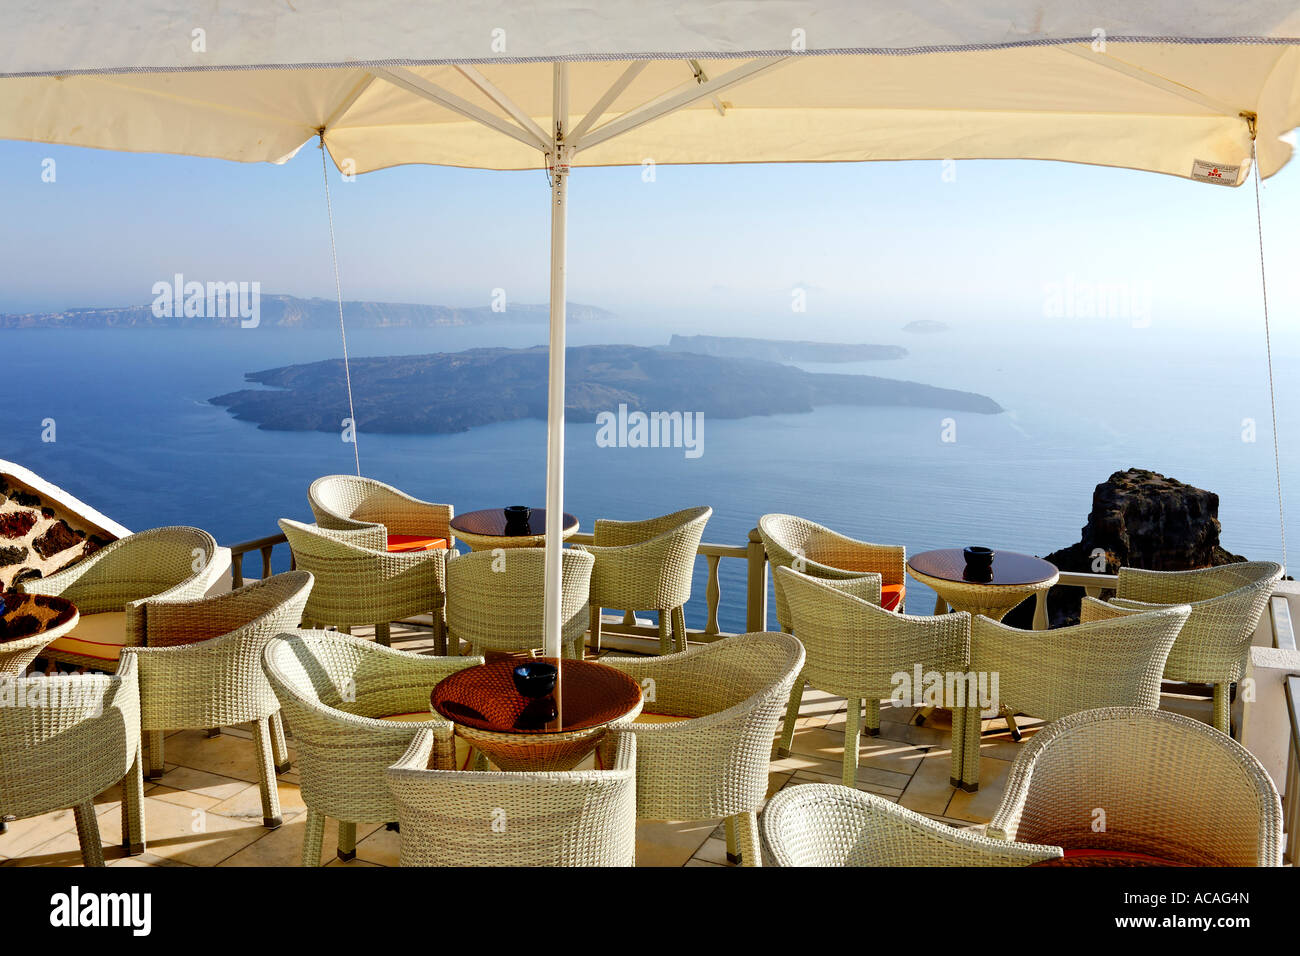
{"points": [[137, 439]]}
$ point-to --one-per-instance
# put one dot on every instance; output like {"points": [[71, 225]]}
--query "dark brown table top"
{"points": [[26, 615], [484, 698], [1009, 567], [491, 522]]}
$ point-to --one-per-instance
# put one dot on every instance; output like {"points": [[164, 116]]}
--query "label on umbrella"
{"points": [[1215, 173]]}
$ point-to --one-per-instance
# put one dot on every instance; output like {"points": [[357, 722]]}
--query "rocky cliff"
{"points": [[1139, 519]]}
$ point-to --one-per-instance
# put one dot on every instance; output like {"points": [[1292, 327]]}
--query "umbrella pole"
{"points": [[558, 161]]}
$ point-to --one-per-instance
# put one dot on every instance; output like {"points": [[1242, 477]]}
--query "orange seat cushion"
{"points": [[100, 636], [891, 596], [415, 542]]}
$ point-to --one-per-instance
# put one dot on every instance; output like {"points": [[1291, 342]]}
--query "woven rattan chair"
{"points": [[811, 549], [1129, 781], [66, 740], [647, 566], [350, 503], [359, 582], [202, 668], [821, 824], [856, 649], [111, 586], [714, 761], [1227, 603], [493, 818], [1052, 674], [335, 691], [496, 600]]}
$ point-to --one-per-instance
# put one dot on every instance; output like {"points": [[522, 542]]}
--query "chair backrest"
{"points": [[828, 825], [345, 502], [496, 599], [1165, 785], [1227, 603], [815, 550], [657, 562], [856, 648], [470, 818], [265, 606], [1105, 663], [66, 739]]}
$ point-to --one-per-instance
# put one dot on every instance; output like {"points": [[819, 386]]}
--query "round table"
{"points": [[1015, 578], [555, 732], [486, 529], [28, 624]]}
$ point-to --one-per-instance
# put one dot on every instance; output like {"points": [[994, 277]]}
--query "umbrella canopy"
{"points": [[1185, 87]]}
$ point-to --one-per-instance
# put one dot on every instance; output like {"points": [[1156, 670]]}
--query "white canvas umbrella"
{"points": [[1184, 87]]}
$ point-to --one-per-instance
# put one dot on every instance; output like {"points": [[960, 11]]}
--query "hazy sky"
{"points": [[863, 239]]}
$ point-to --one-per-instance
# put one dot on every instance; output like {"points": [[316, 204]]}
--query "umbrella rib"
{"points": [[1152, 79], [414, 83], [495, 94], [610, 95], [652, 111], [348, 102]]}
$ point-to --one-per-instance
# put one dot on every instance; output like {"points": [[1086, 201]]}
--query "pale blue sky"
{"points": [[727, 242]]}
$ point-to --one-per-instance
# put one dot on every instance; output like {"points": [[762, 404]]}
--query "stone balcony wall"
{"points": [[38, 536]]}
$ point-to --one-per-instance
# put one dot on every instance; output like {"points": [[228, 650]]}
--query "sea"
{"points": [[135, 437]]}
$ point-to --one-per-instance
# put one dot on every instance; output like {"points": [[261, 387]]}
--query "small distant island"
{"points": [[925, 326], [291, 312], [455, 391], [785, 350]]}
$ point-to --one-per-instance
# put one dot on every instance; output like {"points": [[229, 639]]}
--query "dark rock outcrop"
{"points": [[1139, 519], [58, 537]]}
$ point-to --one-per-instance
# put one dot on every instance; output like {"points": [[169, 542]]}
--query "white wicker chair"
{"points": [[1051, 674], [111, 586], [335, 691], [1136, 786], [821, 824], [359, 582], [350, 503], [73, 737], [647, 566], [715, 761], [494, 818], [496, 600], [202, 668]]}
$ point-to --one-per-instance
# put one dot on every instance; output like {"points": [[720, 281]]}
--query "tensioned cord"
{"points": [[1268, 343], [338, 290]]}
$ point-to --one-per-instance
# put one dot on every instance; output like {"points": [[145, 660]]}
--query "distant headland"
{"points": [[785, 350]]}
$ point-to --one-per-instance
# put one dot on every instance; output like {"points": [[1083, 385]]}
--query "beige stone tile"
{"points": [[224, 755], [868, 777], [25, 835], [186, 834], [980, 806], [891, 793], [930, 789], [145, 859], [670, 843], [381, 846], [693, 861], [280, 847], [195, 788], [353, 862], [247, 803], [714, 850]]}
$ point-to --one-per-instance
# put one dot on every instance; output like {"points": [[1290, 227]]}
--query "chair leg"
{"points": [[733, 850], [212, 732], [347, 841], [133, 839], [279, 746], [154, 739], [314, 837], [92, 851], [1222, 708], [871, 718], [1010, 717], [679, 628], [852, 726], [751, 853], [958, 742], [383, 635], [595, 630], [665, 639], [791, 716], [970, 751], [266, 774], [440, 643]]}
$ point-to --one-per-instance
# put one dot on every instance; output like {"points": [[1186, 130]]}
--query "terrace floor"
{"points": [[205, 811]]}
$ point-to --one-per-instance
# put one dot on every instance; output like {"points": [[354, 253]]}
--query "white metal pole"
{"points": [[559, 163]]}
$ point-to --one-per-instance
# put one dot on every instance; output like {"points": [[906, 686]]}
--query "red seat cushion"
{"points": [[891, 596], [414, 542]]}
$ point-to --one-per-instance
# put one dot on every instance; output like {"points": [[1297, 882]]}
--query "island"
{"points": [[455, 391], [785, 350]]}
